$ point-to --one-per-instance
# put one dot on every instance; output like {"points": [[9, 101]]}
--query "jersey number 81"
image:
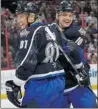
{"points": [[23, 44]]}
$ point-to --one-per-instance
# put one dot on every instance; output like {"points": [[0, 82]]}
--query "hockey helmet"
{"points": [[20, 7], [31, 7], [26, 7], [65, 6]]}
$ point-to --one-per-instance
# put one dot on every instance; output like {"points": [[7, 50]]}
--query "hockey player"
{"points": [[79, 95], [28, 21], [39, 70]]}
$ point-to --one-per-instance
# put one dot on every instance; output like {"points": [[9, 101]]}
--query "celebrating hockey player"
{"points": [[41, 72], [80, 95], [38, 69], [28, 22]]}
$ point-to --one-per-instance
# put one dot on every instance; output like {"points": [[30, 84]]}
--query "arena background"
{"points": [[47, 8]]}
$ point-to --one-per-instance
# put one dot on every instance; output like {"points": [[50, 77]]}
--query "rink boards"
{"points": [[9, 74]]}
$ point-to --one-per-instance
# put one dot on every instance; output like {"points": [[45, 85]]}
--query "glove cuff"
{"points": [[18, 81], [78, 66]]}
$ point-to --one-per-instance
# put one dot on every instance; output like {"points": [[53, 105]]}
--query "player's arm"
{"points": [[81, 75], [29, 62], [23, 72], [79, 38]]}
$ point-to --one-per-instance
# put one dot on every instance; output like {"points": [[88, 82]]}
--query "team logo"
{"points": [[54, 35], [49, 37], [24, 33]]}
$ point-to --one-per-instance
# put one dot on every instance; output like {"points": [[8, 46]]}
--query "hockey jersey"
{"points": [[41, 58], [24, 39]]}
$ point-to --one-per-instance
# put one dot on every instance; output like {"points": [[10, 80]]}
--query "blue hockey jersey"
{"points": [[24, 39], [41, 58]]}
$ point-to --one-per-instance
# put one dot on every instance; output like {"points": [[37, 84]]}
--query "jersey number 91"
{"points": [[51, 52]]}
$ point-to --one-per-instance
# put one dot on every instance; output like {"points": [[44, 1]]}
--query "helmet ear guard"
{"points": [[57, 16]]}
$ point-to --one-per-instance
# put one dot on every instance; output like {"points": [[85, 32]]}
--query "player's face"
{"points": [[22, 21], [31, 18], [65, 19]]}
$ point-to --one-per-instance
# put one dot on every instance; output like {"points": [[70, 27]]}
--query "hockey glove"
{"points": [[83, 77], [82, 74], [13, 92]]}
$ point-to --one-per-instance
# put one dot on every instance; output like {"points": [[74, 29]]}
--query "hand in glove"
{"points": [[13, 92], [83, 77]]}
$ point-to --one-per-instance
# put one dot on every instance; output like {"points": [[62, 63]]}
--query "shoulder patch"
{"points": [[82, 31]]}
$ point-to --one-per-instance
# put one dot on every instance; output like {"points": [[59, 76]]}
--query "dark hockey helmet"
{"points": [[26, 7], [31, 7], [20, 7], [65, 6]]}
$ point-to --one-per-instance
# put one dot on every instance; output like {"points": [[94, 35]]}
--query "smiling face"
{"points": [[65, 19]]}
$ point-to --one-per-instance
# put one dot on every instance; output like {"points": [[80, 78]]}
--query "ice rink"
{"points": [[6, 104]]}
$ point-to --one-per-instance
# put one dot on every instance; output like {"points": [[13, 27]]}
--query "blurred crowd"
{"points": [[86, 10]]}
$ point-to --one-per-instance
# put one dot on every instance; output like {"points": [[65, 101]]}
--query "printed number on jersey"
{"points": [[79, 41], [23, 44], [51, 52]]}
